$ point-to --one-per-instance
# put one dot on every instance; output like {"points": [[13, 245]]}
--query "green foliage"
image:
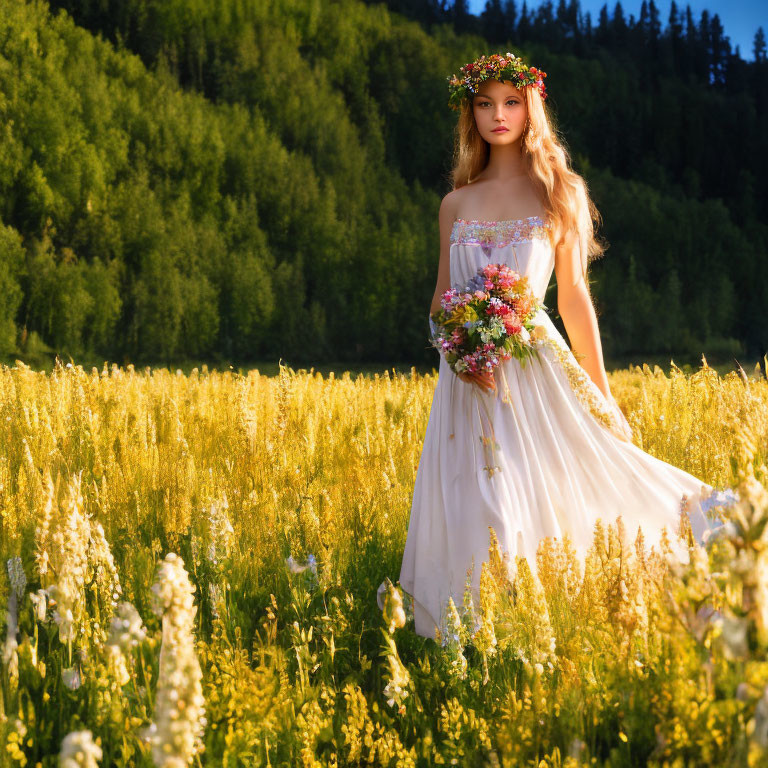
{"points": [[11, 266], [245, 180]]}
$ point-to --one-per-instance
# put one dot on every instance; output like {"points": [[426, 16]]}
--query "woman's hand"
{"points": [[483, 379]]}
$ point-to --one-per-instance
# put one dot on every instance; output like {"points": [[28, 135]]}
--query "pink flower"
{"points": [[512, 323]]}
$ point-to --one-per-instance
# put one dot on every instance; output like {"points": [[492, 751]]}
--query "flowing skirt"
{"points": [[544, 454]]}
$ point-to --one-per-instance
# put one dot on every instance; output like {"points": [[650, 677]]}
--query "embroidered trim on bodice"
{"points": [[499, 233]]}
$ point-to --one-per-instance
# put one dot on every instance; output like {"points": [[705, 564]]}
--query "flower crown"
{"points": [[506, 67]]}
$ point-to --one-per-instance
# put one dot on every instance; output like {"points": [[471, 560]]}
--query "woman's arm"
{"points": [[446, 218], [575, 307]]}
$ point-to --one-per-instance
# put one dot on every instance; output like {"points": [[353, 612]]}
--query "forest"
{"points": [[249, 179]]}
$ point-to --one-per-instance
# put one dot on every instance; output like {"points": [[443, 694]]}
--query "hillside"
{"points": [[255, 180]]}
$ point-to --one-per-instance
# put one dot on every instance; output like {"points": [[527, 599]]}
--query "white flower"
{"points": [[78, 750], [42, 530], [380, 592], [39, 603], [216, 596], [220, 531], [10, 655], [718, 498], [126, 629], [398, 679], [102, 563], [296, 567], [734, 635], [760, 732], [75, 549], [69, 557], [576, 748], [16, 576], [70, 676], [117, 664], [391, 603], [178, 723], [172, 591]]}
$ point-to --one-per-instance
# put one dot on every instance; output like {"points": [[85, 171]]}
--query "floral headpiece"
{"points": [[506, 67]]}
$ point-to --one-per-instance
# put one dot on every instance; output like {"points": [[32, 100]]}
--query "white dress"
{"points": [[563, 454]]}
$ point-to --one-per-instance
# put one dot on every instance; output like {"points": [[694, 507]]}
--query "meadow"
{"points": [[190, 567]]}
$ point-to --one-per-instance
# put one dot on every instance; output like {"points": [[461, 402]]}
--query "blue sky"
{"points": [[740, 18]]}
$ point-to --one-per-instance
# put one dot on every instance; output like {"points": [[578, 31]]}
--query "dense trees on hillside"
{"points": [[252, 179]]}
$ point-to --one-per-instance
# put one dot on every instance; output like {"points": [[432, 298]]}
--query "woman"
{"points": [[539, 449]]}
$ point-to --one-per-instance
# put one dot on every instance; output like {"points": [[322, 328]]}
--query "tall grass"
{"points": [[191, 565]]}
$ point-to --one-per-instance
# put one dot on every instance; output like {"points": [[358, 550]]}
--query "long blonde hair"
{"points": [[563, 191]]}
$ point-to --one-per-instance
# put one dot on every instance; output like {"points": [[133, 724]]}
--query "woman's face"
{"points": [[499, 105]]}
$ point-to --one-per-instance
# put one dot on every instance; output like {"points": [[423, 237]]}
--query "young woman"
{"points": [[531, 450]]}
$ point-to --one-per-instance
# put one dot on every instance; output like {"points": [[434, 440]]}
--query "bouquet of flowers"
{"points": [[489, 321]]}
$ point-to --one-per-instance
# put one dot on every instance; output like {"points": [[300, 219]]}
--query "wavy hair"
{"points": [[563, 192]]}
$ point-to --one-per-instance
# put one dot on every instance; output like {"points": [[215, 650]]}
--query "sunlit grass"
{"points": [[287, 499]]}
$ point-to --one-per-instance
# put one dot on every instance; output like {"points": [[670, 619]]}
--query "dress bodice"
{"points": [[522, 244]]}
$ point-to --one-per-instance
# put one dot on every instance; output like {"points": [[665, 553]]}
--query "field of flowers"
{"points": [[191, 569]]}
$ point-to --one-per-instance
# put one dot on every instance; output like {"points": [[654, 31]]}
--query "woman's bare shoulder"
{"points": [[452, 203]]}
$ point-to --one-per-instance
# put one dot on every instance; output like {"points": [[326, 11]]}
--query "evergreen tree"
{"points": [[524, 25], [720, 51], [510, 18], [589, 33], [603, 30], [654, 27], [759, 46], [675, 36], [494, 22], [460, 15], [619, 29]]}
